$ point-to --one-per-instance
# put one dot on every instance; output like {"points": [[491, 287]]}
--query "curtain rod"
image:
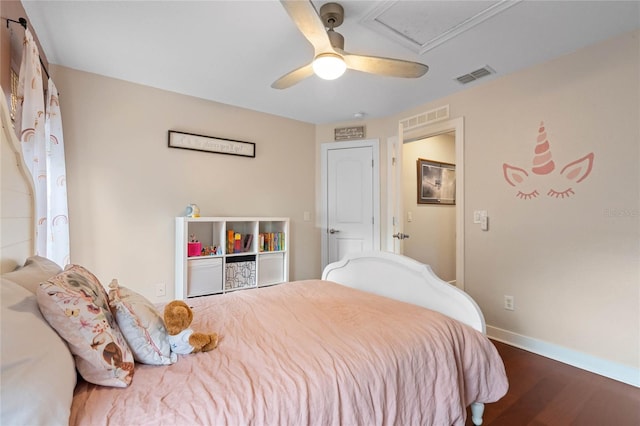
{"points": [[23, 23]]}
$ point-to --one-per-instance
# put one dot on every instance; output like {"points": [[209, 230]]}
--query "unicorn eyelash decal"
{"points": [[527, 196], [542, 172], [560, 194]]}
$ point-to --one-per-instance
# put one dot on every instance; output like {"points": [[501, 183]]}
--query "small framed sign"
{"points": [[210, 144], [348, 133]]}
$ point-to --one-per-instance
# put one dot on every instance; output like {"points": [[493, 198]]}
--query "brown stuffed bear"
{"points": [[183, 340]]}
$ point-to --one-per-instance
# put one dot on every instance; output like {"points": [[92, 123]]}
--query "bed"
{"points": [[379, 339]]}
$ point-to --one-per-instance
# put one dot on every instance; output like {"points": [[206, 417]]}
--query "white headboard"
{"points": [[405, 279], [17, 228]]}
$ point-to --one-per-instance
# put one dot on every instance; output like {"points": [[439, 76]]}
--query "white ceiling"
{"points": [[231, 51]]}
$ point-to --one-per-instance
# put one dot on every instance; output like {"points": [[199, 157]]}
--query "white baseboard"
{"points": [[612, 370]]}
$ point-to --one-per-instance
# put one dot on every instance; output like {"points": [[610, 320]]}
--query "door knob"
{"points": [[333, 231], [400, 236]]}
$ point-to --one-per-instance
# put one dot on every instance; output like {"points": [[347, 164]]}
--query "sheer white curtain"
{"points": [[40, 133], [57, 211]]}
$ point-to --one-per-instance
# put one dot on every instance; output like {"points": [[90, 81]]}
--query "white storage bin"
{"points": [[270, 268], [204, 276]]}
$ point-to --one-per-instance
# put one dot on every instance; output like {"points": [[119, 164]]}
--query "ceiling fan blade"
{"points": [[293, 77], [306, 18], [384, 66]]}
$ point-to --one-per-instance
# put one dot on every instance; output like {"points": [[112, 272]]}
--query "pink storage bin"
{"points": [[194, 249]]}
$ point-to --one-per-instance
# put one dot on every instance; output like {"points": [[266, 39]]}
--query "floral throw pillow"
{"points": [[141, 325], [76, 305]]}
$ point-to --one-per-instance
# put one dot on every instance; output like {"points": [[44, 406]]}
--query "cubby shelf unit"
{"points": [[246, 263]]}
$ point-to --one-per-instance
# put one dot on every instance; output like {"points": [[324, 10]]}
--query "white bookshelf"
{"points": [[221, 267]]}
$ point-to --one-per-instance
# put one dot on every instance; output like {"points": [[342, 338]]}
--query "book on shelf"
{"points": [[237, 243], [230, 241], [272, 241], [248, 239]]}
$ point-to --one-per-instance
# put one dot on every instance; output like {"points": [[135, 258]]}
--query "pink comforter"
{"points": [[309, 353]]}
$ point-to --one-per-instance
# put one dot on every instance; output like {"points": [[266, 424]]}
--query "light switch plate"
{"points": [[484, 223], [478, 215]]}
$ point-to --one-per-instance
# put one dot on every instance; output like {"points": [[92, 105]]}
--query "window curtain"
{"points": [[40, 133], [57, 211]]}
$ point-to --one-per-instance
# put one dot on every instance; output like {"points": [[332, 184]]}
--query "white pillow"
{"points": [[142, 326], [36, 269], [38, 373]]}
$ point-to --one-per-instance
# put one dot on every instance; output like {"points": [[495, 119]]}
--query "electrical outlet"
{"points": [[161, 290], [509, 303]]}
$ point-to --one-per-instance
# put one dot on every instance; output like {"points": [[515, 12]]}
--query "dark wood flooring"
{"points": [[544, 392]]}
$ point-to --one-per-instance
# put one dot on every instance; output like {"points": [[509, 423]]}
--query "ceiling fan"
{"points": [[330, 60]]}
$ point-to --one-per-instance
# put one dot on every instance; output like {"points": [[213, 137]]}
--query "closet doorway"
{"points": [[435, 232], [432, 227]]}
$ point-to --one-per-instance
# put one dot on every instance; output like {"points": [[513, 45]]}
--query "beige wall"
{"points": [[126, 186], [432, 230], [572, 264]]}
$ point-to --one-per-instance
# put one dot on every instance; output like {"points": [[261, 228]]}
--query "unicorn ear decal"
{"points": [[543, 166], [514, 175], [578, 170], [519, 178]]}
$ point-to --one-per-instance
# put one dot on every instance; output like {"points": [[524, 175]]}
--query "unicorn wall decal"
{"points": [[560, 184]]}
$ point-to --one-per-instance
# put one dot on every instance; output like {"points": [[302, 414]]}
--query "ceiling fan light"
{"points": [[329, 66]]}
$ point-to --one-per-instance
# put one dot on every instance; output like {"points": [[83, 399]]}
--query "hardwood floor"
{"points": [[544, 392]]}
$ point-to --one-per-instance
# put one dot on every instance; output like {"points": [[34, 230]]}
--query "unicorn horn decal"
{"points": [[542, 162]]}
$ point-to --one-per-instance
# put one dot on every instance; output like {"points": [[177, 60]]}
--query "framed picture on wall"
{"points": [[436, 182]]}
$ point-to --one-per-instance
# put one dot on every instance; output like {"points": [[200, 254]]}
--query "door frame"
{"points": [[324, 216], [394, 183]]}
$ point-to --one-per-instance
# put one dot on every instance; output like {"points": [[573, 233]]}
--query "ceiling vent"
{"points": [[425, 118], [474, 75]]}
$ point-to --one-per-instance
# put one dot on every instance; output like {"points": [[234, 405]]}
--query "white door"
{"points": [[394, 202], [351, 199], [394, 194]]}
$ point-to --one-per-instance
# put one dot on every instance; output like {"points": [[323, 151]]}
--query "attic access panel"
{"points": [[423, 25]]}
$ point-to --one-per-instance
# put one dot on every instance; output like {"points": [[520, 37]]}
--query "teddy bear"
{"points": [[183, 340]]}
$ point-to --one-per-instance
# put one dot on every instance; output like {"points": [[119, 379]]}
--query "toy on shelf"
{"points": [[211, 250], [193, 210]]}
